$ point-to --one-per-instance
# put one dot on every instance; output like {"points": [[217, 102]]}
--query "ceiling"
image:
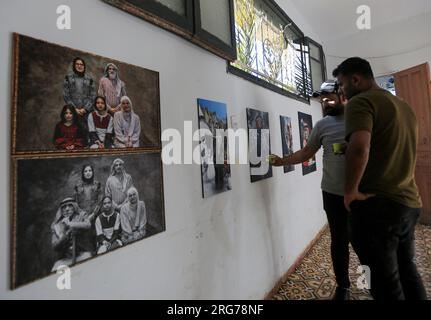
{"points": [[335, 19]]}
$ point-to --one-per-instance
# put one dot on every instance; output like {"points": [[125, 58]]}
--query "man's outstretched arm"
{"points": [[298, 157]]}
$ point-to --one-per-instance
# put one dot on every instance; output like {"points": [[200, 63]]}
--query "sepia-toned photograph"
{"points": [[287, 140], [305, 127], [259, 143], [68, 210], [215, 169], [66, 100]]}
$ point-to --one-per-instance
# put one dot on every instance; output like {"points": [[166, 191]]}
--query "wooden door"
{"points": [[413, 86]]}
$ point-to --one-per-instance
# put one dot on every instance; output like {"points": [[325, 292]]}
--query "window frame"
{"points": [[188, 27], [303, 97], [322, 61], [211, 39]]}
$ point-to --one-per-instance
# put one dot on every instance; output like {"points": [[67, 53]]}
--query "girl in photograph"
{"points": [[100, 125], [88, 196], [88, 191], [68, 133]]}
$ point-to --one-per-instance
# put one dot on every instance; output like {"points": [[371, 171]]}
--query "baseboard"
{"points": [[297, 262]]}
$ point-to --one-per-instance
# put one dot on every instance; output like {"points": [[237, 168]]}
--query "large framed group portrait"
{"points": [[87, 174], [66, 100], [68, 210]]}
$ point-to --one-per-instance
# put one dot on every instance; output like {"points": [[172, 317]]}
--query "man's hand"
{"points": [[275, 160], [353, 196]]}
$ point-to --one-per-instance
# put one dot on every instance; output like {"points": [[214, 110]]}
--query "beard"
{"points": [[112, 75], [333, 111]]}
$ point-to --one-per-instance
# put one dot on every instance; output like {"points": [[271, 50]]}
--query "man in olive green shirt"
{"points": [[380, 189]]}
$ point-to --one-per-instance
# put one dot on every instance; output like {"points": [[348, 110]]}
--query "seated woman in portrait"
{"points": [[133, 217], [69, 134], [127, 125], [100, 125]]}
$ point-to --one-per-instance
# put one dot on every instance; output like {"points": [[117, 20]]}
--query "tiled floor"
{"points": [[314, 277]]}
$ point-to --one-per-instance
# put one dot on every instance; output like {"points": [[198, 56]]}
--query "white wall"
{"points": [[389, 48], [232, 246]]}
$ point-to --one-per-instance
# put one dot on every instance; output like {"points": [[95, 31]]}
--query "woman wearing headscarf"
{"points": [[78, 88], [127, 126], [118, 183], [67, 231], [133, 217], [88, 191]]}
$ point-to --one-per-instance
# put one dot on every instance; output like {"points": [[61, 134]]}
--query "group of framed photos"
{"points": [[216, 175], [86, 157]]}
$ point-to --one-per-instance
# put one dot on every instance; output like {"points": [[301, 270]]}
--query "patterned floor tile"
{"points": [[314, 278]]}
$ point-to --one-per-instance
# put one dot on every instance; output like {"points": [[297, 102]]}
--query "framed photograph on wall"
{"points": [[67, 100], [305, 127], [86, 153], [68, 210], [259, 144], [215, 169], [287, 140]]}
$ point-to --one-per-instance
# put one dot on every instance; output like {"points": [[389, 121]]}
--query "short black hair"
{"points": [[352, 66]]}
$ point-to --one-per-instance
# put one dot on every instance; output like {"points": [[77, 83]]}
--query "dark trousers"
{"points": [[339, 228], [382, 234]]}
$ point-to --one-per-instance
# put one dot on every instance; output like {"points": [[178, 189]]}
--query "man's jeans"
{"points": [[339, 228], [382, 234]]}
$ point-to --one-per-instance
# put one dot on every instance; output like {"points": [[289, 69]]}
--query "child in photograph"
{"points": [[68, 134], [100, 125], [108, 229]]}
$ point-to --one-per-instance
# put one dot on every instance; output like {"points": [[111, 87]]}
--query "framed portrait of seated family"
{"points": [[87, 174], [67, 100], [68, 210]]}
